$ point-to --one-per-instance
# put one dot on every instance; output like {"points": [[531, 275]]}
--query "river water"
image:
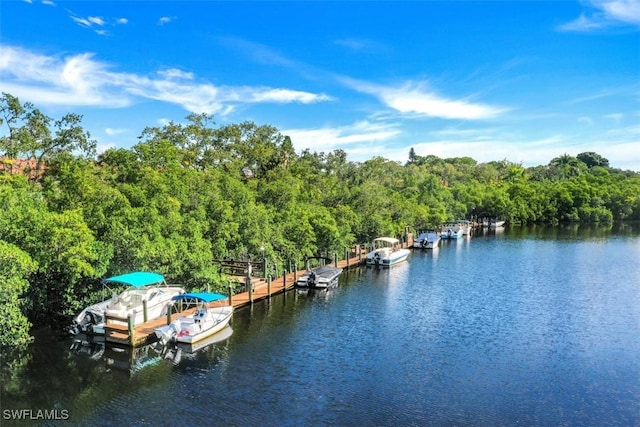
{"points": [[529, 326]]}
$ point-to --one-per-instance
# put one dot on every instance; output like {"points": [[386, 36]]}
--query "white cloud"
{"points": [[96, 20], [174, 73], [362, 135], [81, 80], [48, 3], [81, 21], [588, 121], [360, 45], [621, 10], [285, 96], [122, 21], [606, 13], [415, 99], [114, 131], [616, 117], [165, 20]]}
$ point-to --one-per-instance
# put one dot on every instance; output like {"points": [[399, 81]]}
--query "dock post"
{"points": [[169, 314], [269, 286], [284, 279], [230, 294], [346, 256], [264, 267], [335, 259], [295, 272], [249, 289], [130, 328], [144, 310]]}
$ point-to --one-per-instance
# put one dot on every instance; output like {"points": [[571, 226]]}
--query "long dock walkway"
{"points": [[122, 334]]}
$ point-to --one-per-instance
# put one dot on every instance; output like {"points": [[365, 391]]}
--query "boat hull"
{"points": [[388, 259], [195, 327]]}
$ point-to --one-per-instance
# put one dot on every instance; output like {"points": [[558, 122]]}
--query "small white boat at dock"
{"points": [[386, 251], [201, 323], [452, 231], [492, 223]]}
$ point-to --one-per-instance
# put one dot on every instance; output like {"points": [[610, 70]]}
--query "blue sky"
{"points": [[522, 81]]}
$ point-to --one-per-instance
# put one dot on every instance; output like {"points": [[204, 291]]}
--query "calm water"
{"points": [[535, 327]]}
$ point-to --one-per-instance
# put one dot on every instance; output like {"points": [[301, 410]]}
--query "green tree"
{"points": [[15, 268]]}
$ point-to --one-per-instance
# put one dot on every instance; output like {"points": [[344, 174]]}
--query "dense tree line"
{"points": [[188, 193]]}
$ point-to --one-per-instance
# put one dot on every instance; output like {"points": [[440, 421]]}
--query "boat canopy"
{"points": [[390, 240], [136, 279], [200, 296]]}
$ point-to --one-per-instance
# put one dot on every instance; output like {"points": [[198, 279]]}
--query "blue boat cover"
{"points": [[136, 279], [201, 296]]}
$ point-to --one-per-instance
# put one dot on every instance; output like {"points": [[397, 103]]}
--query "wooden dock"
{"points": [[118, 331]]}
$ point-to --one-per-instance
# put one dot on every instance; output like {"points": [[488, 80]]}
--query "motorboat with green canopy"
{"points": [[205, 318], [143, 291]]}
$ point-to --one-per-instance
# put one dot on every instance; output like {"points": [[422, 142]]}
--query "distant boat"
{"points": [[144, 289], [322, 277], [452, 231], [386, 251], [489, 223], [200, 324], [466, 225], [427, 240]]}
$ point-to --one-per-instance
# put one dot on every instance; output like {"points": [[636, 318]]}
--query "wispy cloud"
{"points": [[115, 131], [89, 21], [97, 23], [605, 13], [417, 100], [360, 45], [82, 80], [48, 3], [258, 52], [165, 20], [616, 117], [361, 133]]}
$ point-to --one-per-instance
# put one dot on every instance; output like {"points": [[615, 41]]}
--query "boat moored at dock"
{"points": [[387, 251], [322, 277], [147, 297], [452, 231], [203, 322], [430, 239]]}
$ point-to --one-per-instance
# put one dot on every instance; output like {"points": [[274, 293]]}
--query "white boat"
{"points": [[322, 277], [201, 323], [466, 225], [452, 231], [145, 292], [427, 240], [386, 251], [179, 351], [492, 223]]}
